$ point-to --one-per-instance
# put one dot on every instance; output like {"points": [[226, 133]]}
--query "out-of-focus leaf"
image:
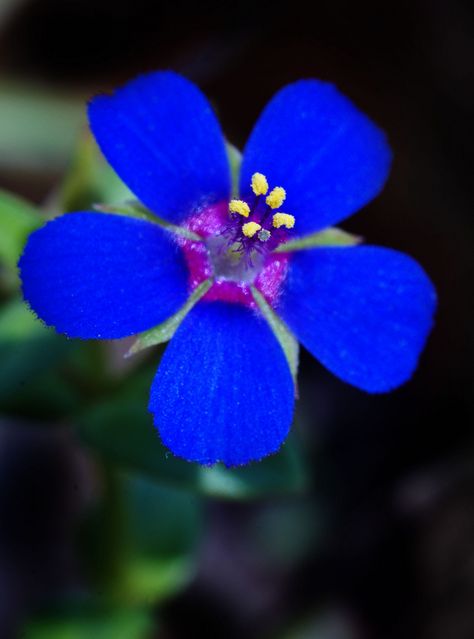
{"points": [[163, 528], [121, 430], [27, 347], [235, 161], [18, 219], [288, 342], [280, 474], [330, 624], [92, 624], [284, 532], [166, 330], [37, 129], [329, 237], [89, 180], [139, 540]]}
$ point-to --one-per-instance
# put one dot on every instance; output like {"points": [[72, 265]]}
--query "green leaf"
{"points": [[37, 129], [27, 348], [165, 331], [18, 219], [332, 623], [91, 624], [235, 161], [121, 430], [163, 529], [329, 237], [281, 474], [88, 180], [287, 340]]}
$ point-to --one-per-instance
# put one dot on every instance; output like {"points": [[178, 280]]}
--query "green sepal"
{"points": [[331, 236], [165, 331], [137, 210], [285, 337], [235, 160]]}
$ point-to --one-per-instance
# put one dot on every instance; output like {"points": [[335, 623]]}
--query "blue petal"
{"points": [[223, 391], [329, 157], [92, 275], [364, 312], [161, 136]]}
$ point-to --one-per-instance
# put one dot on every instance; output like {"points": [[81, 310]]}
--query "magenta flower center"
{"points": [[238, 247]]}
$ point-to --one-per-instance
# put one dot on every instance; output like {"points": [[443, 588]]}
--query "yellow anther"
{"points": [[283, 219], [240, 207], [259, 184], [250, 228], [276, 197]]}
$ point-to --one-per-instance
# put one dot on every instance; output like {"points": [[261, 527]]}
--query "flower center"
{"points": [[239, 240], [258, 227]]}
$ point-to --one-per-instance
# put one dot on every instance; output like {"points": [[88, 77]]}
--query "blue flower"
{"points": [[223, 390]]}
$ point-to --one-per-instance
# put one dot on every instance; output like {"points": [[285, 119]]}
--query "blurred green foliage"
{"points": [[17, 220], [86, 623], [38, 129]]}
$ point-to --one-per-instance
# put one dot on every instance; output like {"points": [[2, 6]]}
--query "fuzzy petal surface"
{"points": [[327, 155], [92, 275], [161, 136], [364, 312], [223, 391]]}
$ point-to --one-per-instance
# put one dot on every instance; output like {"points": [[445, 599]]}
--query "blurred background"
{"points": [[363, 526]]}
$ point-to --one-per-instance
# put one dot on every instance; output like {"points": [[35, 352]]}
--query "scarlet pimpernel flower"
{"points": [[243, 273]]}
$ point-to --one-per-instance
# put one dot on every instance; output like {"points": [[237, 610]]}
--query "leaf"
{"points": [[283, 334], [281, 474], [235, 161], [37, 129], [87, 623], [121, 430], [163, 529], [18, 219], [329, 237], [88, 180], [165, 331], [27, 347], [331, 623]]}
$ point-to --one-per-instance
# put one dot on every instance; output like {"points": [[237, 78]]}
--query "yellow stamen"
{"points": [[283, 219], [240, 207], [250, 228], [259, 184], [276, 197]]}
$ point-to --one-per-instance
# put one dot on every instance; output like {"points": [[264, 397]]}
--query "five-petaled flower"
{"points": [[223, 390]]}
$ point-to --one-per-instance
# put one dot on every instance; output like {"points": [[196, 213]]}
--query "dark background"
{"points": [[388, 549]]}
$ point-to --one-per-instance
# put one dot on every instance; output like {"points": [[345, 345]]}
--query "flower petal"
{"points": [[92, 275], [223, 391], [329, 157], [365, 312], [161, 136]]}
